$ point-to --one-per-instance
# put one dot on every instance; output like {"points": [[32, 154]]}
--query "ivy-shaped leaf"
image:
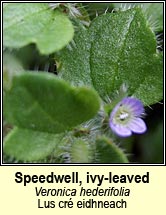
{"points": [[125, 51], [36, 23], [118, 48], [42, 102], [41, 106]]}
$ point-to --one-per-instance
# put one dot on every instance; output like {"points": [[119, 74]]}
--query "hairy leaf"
{"points": [[41, 102], [80, 151], [108, 152], [36, 23], [118, 48], [27, 145]]}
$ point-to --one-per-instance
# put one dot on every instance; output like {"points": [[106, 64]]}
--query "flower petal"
{"points": [[123, 125], [138, 126], [134, 104], [120, 130]]}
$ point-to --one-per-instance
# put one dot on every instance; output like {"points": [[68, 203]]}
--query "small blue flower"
{"points": [[125, 118]]}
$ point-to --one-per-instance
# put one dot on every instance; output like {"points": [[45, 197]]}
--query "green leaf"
{"points": [[27, 145], [75, 59], [126, 58], [118, 48], [108, 152], [26, 23], [153, 83], [42, 102], [80, 151]]}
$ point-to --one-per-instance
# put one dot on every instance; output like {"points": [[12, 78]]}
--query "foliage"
{"points": [[36, 23]]}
